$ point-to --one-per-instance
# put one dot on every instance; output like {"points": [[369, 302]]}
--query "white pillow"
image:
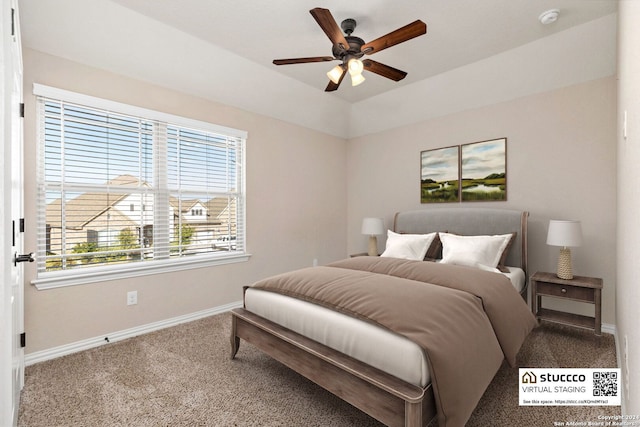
{"points": [[407, 246], [473, 251]]}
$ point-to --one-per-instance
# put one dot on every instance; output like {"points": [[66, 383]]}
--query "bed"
{"points": [[389, 353]]}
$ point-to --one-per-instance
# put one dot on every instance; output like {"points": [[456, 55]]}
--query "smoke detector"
{"points": [[548, 17]]}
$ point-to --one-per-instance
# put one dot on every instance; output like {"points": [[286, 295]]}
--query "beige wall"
{"points": [[296, 205], [628, 288], [561, 164]]}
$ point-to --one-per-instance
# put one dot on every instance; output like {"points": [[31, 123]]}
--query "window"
{"points": [[99, 159]]}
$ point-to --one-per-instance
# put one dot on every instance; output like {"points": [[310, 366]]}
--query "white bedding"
{"points": [[363, 341]]}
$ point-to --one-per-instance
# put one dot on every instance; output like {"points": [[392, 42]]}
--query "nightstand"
{"points": [[581, 289]]}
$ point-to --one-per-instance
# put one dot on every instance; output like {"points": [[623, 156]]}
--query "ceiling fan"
{"points": [[349, 49]]}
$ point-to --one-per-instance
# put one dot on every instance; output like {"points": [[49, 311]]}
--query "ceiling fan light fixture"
{"points": [[357, 79], [355, 67], [335, 73]]}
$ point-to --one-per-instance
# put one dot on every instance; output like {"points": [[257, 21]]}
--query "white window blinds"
{"points": [[131, 189]]}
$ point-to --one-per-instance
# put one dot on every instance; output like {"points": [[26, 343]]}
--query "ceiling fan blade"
{"points": [[384, 70], [303, 60], [415, 29], [329, 25], [334, 86]]}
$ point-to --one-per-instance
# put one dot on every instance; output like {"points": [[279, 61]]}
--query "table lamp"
{"points": [[373, 227], [564, 234]]}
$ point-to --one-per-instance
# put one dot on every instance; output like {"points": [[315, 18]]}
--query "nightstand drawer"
{"points": [[566, 291]]}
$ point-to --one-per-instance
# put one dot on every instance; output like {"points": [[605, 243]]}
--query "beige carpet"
{"points": [[182, 376]]}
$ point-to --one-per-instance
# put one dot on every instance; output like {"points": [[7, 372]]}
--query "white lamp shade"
{"points": [[564, 233], [357, 79], [355, 67], [335, 73], [373, 226]]}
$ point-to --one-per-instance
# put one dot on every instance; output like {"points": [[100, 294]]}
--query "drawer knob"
{"points": [[563, 290]]}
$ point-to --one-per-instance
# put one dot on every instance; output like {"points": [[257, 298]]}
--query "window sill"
{"points": [[59, 279]]}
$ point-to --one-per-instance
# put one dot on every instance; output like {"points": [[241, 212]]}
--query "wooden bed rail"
{"points": [[386, 398]]}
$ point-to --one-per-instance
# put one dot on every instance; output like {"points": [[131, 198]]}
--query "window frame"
{"points": [[62, 278]]}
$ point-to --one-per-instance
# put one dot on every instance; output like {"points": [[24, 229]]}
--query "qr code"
{"points": [[605, 383]]}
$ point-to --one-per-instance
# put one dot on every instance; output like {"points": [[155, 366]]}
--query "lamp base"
{"points": [[373, 246], [564, 264]]}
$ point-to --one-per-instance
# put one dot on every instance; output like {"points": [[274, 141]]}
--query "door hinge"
{"points": [[23, 339], [22, 225], [13, 22], [13, 233], [22, 110]]}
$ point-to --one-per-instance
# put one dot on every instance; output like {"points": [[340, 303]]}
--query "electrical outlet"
{"points": [[132, 297]]}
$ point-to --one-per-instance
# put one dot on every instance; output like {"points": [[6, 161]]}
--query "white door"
{"points": [[11, 236]]}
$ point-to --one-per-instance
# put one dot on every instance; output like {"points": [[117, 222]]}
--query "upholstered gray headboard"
{"points": [[469, 222]]}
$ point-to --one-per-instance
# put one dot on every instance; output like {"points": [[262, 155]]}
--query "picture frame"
{"points": [[483, 171], [440, 175]]}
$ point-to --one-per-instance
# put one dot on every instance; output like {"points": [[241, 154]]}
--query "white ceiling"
{"points": [[218, 44]]}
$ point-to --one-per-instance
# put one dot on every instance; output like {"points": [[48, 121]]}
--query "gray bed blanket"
{"points": [[466, 320]]}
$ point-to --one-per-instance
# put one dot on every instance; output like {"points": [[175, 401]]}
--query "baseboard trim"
{"points": [[619, 361], [63, 350], [608, 328]]}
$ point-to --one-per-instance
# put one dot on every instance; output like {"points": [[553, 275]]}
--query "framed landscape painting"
{"points": [[440, 175], [484, 171]]}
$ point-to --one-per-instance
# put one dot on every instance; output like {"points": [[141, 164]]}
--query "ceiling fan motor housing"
{"points": [[354, 48], [355, 43]]}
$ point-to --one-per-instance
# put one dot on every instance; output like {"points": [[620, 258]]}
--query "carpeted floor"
{"points": [[183, 376]]}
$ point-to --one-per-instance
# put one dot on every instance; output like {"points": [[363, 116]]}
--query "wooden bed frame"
{"points": [[384, 397]]}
